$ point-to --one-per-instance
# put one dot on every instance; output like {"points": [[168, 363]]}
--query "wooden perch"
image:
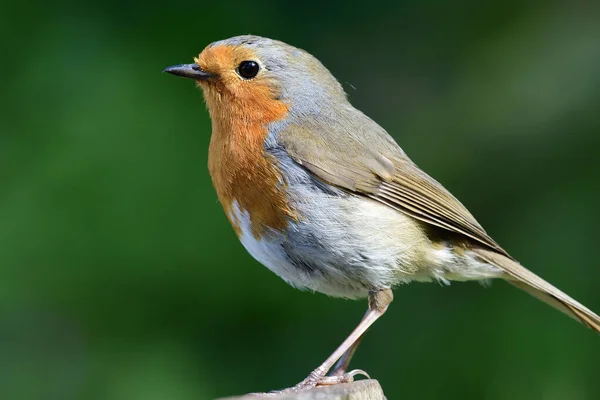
{"points": [[367, 389]]}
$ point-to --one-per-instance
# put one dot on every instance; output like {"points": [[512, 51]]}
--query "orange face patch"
{"points": [[255, 98], [240, 111]]}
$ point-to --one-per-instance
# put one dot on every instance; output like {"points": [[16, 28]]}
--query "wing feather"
{"points": [[378, 169], [384, 173]]}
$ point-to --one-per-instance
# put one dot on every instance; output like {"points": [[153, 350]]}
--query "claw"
{"points": [[343, 378], [359, 372], [313, 381]]}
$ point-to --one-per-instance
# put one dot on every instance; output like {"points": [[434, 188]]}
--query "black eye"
{"points": [[248, 69]]}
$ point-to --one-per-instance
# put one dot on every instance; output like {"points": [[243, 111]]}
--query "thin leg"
{"points": [[378, 304], [342, 364]]}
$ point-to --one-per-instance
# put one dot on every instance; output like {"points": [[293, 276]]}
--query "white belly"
{"points": [[346, 246], [266, 250]]}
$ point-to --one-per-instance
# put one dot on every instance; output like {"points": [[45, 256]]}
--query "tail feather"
{"points": [[524, 279]]}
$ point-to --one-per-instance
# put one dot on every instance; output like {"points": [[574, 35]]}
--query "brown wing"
{"points": [[371, 163], [367, 161]]}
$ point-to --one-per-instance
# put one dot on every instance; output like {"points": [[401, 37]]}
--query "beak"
{"points": [[192, 71]]}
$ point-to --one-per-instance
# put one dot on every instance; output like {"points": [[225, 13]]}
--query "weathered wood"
{"points": [[367, 389]]}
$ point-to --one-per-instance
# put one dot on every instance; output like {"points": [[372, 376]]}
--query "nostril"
{"points": [[196, 67]]}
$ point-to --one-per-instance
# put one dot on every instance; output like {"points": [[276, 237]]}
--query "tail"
{"points": [[539, 288]]}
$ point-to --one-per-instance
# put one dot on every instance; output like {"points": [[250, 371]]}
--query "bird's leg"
{"points": [[378, 304], [342, 364]]}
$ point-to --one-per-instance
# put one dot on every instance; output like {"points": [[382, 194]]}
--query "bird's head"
{"points": [[252, 77]]}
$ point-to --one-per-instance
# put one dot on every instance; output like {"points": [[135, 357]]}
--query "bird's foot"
{"points": [[341, 377], [317, 379], [341, 371]]}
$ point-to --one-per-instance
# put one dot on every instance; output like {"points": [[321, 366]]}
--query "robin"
{"points": [[324, 197]]}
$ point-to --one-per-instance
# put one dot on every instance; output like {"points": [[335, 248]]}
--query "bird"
{"points": [[325, 198]]}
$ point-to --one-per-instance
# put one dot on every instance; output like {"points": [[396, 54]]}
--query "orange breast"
{"points": [[240, 169]]}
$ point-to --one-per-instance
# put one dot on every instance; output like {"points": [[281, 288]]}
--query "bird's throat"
{"points": [[247, 180]]}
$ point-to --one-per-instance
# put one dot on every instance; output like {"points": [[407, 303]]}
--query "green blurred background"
{"points": [[121, 279]]}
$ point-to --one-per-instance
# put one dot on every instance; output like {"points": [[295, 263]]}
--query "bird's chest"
{"points": [[248, 181]]}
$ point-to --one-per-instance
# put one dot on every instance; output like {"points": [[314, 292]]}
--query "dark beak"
{"points": [[192, 71]]}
